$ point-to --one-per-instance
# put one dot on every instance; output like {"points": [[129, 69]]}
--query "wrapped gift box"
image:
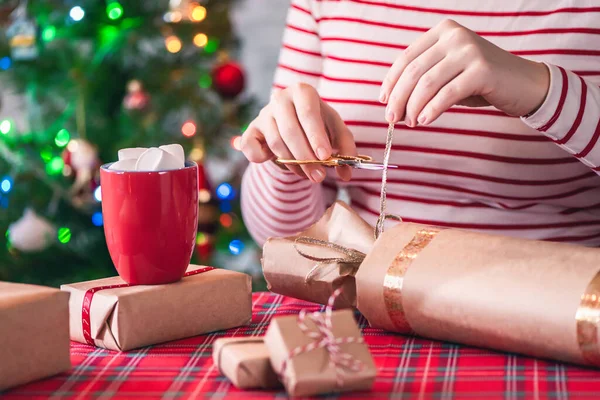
{"points": [[289, 273], [109, 313], [34, 333], [245, 362], [306, 368]]}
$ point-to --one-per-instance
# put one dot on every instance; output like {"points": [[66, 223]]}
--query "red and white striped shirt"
{"points": [[475, 169]]}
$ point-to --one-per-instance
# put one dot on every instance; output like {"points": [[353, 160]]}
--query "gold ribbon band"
{"points": [[588, 319], [394, 278]]}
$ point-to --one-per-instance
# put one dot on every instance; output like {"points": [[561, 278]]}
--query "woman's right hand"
{"points": [[295, 125]]}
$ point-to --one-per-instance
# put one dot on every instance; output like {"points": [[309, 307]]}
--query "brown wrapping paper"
{"points": [[245, 362], [310, 373], [131, 317], [34, 333], [286, 270], [502, 293]]}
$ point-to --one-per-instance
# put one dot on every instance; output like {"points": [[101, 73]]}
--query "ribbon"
{"points": [[324, 338], [383, 216], [89, 295], [352, 258]]}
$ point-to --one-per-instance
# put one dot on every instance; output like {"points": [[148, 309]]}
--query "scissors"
{"points": [[337, 160]]}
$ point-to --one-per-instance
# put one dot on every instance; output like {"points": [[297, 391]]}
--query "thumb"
{"points": [[342, 141]]}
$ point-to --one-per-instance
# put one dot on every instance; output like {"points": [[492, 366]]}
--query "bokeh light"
{"points": [[198, 13], [5, 63], [226, 220], [5, 127], [204, 196], [97, 219], [225, 191], [64, 235], [114, 10], [77, 13], [188, 128], [49, 33], [200, 40], [236, 247], [173, 44], [98, 193], [55, 166], [62, 138], [236, 142], [6, 184]]}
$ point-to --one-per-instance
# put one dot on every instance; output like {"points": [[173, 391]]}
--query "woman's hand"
{"points": [[297, 124], [451, 64]]}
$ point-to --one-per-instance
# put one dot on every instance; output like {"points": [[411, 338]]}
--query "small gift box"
{"points": [[245, 362], [316, 262], [112, 314], [516, 295], [34, 333], [320, 352]]}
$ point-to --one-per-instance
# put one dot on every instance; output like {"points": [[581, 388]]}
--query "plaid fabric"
{"points": [[408, 367]]}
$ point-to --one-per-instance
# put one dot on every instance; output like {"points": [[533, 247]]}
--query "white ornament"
{"points": [[31, 232]]}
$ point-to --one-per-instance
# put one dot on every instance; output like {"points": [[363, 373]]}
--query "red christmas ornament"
{"points": [[137, 98], [228, 79]]}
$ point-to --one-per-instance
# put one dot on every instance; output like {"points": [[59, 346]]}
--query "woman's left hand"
{"points": [[450, 64]]}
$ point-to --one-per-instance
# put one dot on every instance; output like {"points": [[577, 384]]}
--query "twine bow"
{"points": [[324, 338], [352, 258]]}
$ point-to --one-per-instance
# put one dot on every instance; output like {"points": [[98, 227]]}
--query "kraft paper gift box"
{"points": [[34, 333], [307, 371], [515, 295], [245, 362], [289, 273], [109, 313]]}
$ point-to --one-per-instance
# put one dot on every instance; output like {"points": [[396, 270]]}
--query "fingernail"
{"points": [[317, 175], [408, 122], [322, 153], [391, 116], [382, 97], [422, 119]]}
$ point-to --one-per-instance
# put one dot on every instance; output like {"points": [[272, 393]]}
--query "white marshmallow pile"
{"points": [[161, 158]]}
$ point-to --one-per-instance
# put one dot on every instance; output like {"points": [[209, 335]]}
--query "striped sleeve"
{"points": [[570, 116], [276, 202]]}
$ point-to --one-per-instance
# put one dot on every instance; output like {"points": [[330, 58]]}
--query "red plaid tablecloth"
{"points": [[408, 368]]}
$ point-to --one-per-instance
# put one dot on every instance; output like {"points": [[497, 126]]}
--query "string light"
{"points": [[77, 13], [201, 239], [114, 10], [49, 33], [64, 235], [200, 40], [203, 196], [62, 138], [6, 185], [225, 191], [173, 44], [212, 45], [98, 194], [46, 154], [5, 127], [5, 63], [236, 142], [236, 247], [172, 16], [97, 219], [197, 153], [205, 81], [198, 13], [226, 220], [55, 166], [188, 129]]}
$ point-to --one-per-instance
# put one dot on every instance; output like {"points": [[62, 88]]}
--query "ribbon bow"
{"points": [[324, 338], [352, 258]]}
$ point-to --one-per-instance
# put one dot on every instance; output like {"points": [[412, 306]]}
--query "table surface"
{"points": [[407, 367]]}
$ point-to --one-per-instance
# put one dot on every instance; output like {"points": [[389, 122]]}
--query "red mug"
{"points": [[150, 222]]}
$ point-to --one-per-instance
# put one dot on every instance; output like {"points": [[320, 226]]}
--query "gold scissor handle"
{"points": [[333, 161]]}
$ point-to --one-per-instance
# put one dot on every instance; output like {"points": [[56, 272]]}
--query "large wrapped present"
{"points": [[34, 333], [320, 352], [291, 271], [245, 362], [112, 314], [515, 295]]}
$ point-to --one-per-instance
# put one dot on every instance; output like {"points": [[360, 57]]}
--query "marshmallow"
{"points": [[124, 165], [175, 150], [155, 159], [131, 153]]}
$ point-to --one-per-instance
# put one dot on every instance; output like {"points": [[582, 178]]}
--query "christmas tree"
{"points": [[96, 76]]}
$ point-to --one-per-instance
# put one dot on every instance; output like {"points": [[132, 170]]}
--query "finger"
{"points": [[343, 141], [254, 145], [452, 93], [308, 110], [396, 107], [294, 137], [418, 47], [276, 144], [429, 84]]}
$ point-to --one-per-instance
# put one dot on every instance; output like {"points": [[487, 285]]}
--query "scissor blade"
{"points": [[366, 165]]}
